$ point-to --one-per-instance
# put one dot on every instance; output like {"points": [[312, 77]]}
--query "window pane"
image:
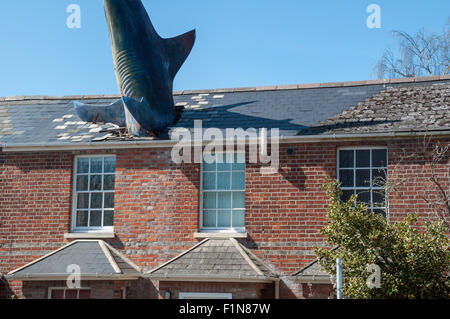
{"points": [[209, 180], [239, 162], [96, 200], [110, 164], [223, 181], [108, 182], [224, 218], [83, 165], [71, 294], [362, 158], [109, 200], [96, 218], [379, 158], [378, 177], [346, 177], [379, 198], [96, 183], [85, 294], [209, 218], [362, 177], [96, 165], [209, 200], [364, 197], [57, 294], [108, 219], [238, 200], [82, 182], [224, 200], [209, 167], [82, 218], [239, 218], [238, 180], [346, 159], [346, 195], [381, 212], [83, 200], [227, 159]]}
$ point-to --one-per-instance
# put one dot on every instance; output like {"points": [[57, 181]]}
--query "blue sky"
{"points": [[239, 42]]}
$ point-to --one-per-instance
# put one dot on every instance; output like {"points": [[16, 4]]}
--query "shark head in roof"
{"points": [[145, 66]]}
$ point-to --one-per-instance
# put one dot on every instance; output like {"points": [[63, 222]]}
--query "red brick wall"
{"points": [[238, 290], [99, 289], [317, 291], [157, 204]]}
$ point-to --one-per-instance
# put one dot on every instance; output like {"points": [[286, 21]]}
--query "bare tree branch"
{"points": [[420, 54]]}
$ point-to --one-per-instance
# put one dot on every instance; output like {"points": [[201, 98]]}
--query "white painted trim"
{"points": [[170, 143], [102, 235], [249, 252], [109, 257], [125, 258], [210, 278], [74, 229], [222, 235], [312, 279], [58, 277], [222, 229], [204, 295], [367, 147]]}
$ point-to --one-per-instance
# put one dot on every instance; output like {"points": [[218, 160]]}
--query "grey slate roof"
{"points": [[215, 259], [87, 254], [317, 109], [311, 272], [424, 107]]}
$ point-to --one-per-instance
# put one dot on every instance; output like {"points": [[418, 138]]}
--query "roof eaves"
{"points": [[168, 143], [209, 277]]}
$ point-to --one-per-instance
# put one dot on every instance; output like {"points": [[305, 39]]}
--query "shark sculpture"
{"points": [[145, 66]]}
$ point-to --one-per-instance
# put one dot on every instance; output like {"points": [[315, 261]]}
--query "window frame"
{"points": [[354, 168], [223, 229], [74, 228], [50, 289]]}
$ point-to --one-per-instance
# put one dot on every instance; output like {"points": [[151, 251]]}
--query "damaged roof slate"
{"points": [[347, 108]]}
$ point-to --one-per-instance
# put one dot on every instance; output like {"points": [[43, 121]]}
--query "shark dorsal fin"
{"points": [[178, 50]]}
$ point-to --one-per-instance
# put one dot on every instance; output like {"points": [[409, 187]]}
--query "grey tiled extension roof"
{"points": [[215, 259], [312, 271], [96, 259], [315, 109]]}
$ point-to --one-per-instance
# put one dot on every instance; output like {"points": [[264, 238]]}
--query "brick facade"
{"points": [[157, 210], [239, 290]]}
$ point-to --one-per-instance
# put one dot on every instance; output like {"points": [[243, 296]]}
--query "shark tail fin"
{"points": [[178, 49]]}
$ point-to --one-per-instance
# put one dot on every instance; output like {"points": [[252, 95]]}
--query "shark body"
{"points": [[145, 66]]}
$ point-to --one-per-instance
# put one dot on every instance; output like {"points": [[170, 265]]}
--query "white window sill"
{"points": [[98, 235], [220, 235]]}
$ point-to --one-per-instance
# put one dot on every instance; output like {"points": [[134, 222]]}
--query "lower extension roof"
{"points": [[218, 260], [96, 259]]}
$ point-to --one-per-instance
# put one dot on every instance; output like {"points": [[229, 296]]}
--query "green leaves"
{"points": [[413, 263]]}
